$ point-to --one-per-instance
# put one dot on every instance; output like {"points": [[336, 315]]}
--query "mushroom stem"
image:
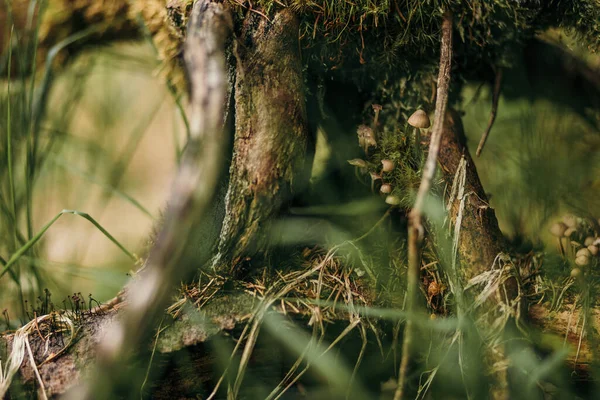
{"points": [[561, 248], [417, 138], [377, 108]]}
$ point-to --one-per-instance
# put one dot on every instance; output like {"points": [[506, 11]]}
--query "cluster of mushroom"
{"points": [[580, 238], [387, 166], [385, 188], [367, 137]]}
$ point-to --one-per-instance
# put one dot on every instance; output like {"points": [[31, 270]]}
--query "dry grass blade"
{"points": [[21, 346]]}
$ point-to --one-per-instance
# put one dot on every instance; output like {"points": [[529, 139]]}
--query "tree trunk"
{"points": [[271, 132]]}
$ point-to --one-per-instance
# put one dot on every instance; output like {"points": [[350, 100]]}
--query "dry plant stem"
{"points": [[493, 112], [192, 192], [415, 228]]}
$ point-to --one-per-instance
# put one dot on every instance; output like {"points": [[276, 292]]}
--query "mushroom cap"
{"points": [[582, 261], [570, 220], [589, 240], [584, 252], [419, 119], [366, 137], [374, 176], [387, 165], [593, 249], [575, 272], [569, 232], [386, 188], [558, 229], [376, 107], [392, 200]]}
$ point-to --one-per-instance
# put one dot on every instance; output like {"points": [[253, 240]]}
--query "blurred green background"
{"points": [[109, 146]]}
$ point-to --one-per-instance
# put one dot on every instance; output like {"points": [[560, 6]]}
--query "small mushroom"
{"points": [[584, 252], [582, 257], [576, 272], [419, 120], [366, 138], [376, 108], [582, 261], [392, 200], [385, 188], [387, 165], [558, 229], [570, 220], [374, 177], [569, 232], [593, 249], [588, 241]]}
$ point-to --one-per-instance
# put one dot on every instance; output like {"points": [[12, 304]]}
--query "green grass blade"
{"points": [[15, 257], [9, 145], [108, 188], [38, 110]]}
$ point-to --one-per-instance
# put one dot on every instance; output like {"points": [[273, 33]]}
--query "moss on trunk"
{"points": [[271, 132]]}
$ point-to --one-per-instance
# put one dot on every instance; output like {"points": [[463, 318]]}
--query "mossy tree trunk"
{"points": [[270, 147], [271, 132]]}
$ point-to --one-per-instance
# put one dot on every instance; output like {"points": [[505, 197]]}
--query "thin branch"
{"points": [[192, 193], [415, 228], [493, 112]]}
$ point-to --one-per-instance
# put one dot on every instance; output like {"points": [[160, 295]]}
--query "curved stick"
{"points": [[192, 193], [415, 228], [493, 112]]}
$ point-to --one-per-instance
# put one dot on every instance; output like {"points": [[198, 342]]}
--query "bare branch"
{"points": [[192, 193], [415, 228], [493, 112]]}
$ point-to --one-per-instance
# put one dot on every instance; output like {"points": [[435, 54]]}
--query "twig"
{"points": [[192, 193], [493, 112], [415, 228]]}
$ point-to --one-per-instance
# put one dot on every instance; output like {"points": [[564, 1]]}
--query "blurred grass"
{"points": [[540, 161], [106, 148]]}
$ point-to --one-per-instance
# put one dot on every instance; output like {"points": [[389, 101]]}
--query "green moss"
{"points": [[196, 326]]}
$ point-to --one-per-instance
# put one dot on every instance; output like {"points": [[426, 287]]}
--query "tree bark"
{"points": [[271, 132], [480, 246], [480, 237]]}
